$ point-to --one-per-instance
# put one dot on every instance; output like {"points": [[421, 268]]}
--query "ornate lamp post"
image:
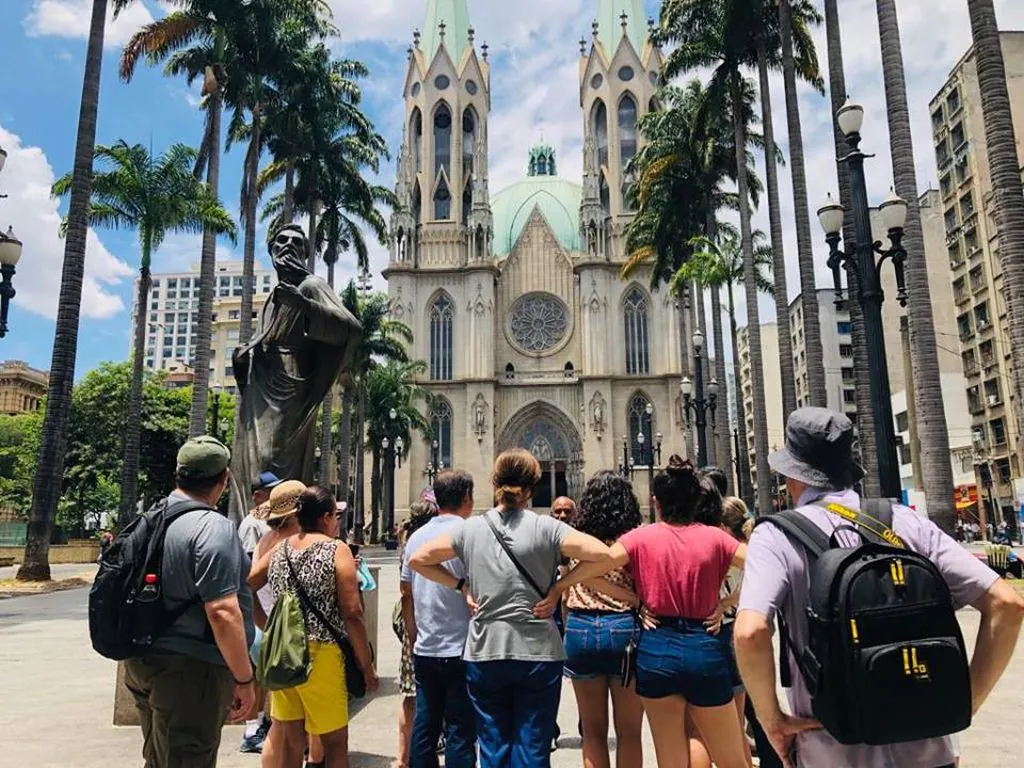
{"points": [[364, 280], [699, 407], [434, 465], [10, 253], [860, 260], [393, 449], [649, 454]]}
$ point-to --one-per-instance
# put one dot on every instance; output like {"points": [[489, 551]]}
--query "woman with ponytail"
{"points": [[678, 566], [514, 658]]}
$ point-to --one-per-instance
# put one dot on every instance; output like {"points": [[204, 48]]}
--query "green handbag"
{"points": [[284, 660]]}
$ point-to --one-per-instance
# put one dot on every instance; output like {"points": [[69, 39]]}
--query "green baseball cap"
{"points": [[203, 457]]}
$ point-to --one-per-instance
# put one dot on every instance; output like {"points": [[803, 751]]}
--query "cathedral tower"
{"points": [[619, 76]]}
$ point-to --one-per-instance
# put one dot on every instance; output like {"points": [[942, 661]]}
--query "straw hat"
{"points": [[284, 500]]}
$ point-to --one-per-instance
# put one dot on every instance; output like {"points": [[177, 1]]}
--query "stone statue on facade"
{"points": [[304, 340]]}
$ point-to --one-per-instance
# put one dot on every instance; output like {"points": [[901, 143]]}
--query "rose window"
{"points": [[538, 322]]}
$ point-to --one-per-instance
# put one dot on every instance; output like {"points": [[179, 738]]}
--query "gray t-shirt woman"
{"points": [[504, 627]]}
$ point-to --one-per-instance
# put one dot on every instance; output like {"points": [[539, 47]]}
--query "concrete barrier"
{"points": [[81, 552], [125, 713]]}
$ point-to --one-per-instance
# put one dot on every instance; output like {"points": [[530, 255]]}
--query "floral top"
{"points": [[315, 568], [583, 598]]}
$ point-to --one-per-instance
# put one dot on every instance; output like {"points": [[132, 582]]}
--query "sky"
{"points": [[534, 56]]}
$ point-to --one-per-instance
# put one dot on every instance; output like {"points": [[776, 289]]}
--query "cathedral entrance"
{"points": [[553, 440]]}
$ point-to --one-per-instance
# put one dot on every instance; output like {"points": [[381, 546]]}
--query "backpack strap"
{"points": [[874, 520], [170, 513], [797, 528]]}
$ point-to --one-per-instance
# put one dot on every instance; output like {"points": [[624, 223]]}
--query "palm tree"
{"points": [[936, 469], [392, 386], [709, 35], [191, 42], [718, 264], [46, 484], [1002, 155], [155, 196], [817, 392], [384, 340], [871, 485]]}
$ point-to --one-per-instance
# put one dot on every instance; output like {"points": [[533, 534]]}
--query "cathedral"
{"points": [[514, 296]]}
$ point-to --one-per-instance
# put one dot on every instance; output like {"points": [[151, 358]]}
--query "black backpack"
{"points": [[886, 661], [126, 606]]}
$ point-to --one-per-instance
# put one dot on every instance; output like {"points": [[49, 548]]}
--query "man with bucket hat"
{"points": [[820, 471], [198, 673]]}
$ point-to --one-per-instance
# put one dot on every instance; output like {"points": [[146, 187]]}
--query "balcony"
{"points": [[971, 368], [961, 295], [987, 361]]}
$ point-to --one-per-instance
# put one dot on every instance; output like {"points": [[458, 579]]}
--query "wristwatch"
{"points": [[461, 584]]}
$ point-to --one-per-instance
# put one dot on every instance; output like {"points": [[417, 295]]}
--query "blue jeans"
{"points": [[442, 699], [516, 707], [595, 644], [680, 658]]}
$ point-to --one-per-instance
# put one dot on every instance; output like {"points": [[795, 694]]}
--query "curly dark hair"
{"points": [[686, 495], [608, 507]]}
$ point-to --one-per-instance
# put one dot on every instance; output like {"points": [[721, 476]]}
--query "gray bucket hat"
{"points": [[819, 450]]}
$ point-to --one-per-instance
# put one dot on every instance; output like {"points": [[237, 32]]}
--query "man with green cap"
{"points": [[198, 674]]}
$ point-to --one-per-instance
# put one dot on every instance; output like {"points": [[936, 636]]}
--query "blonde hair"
{"points": [[736, 518], [516, 474]]}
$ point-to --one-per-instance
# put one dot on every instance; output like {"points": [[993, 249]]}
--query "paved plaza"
{"points": [[58, 695]]}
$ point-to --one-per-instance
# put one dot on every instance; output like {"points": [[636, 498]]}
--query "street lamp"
{"points": [[392, 459], [434, 465], [649, 453], [860, 260], [364, 280], [698, 406], [10, 253]]}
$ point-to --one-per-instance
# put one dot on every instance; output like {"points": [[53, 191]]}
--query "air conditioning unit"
{"points": [[993, 400]]}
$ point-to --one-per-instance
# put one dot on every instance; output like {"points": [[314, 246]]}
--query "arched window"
{"points": [[640, 421], [441, 429], [442, 201], [510, 371], [542, 165], [417, 203], [442, 141], [599, 122], [416, 131], [635, 308], [442, 321], [468, 143], [467, 202], [627, 129]]}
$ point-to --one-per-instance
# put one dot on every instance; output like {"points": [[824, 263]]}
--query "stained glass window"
{"points": [[635, 307], [441, 427], [538, 321], [640, 422], [442, 320]]}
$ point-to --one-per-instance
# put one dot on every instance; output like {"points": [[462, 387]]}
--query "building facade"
{"points": [[837, 353], [174, 319], [971, 242], [531, 338], [772, 390], [22, 388]]}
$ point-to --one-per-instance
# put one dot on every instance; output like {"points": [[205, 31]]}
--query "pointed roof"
{"points": [[609, 19], [454, 14]]}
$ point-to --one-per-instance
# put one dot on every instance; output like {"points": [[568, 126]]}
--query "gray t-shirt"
{"points": [[504, 628], [775, 579], [250, 531], [203, 558], [442, 616]]}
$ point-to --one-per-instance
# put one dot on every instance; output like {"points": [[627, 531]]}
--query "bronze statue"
{"points": [[304, 340]]}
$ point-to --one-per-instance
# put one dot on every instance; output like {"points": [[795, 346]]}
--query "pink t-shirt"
{"points": [[679, 569]]}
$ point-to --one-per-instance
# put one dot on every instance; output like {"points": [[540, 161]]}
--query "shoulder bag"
{"points": [[508, 551]]}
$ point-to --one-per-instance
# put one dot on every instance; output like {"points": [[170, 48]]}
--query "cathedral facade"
{"points": [[515, 299]]}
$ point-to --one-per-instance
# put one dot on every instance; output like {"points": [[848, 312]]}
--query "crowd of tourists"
{"points": [[670, 621]]}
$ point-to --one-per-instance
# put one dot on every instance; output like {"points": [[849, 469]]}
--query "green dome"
{"points": [[558, 200]]}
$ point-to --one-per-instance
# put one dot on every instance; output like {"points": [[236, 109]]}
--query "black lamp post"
{"points": [[392, 458], [649, 453], [10, 253], [434, 465], [860, 260], [699, 407]]}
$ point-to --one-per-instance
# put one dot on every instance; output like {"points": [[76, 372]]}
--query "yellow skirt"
{"points": [[322, 701]]}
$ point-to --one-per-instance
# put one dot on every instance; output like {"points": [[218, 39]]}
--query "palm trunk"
{"points": [[771, 173], [252, 162], [207, 278], [705, 363], [313, 211], [50, 465], [133, 421], [866, 439], [744, 486], [764, 489], [817, 392], [723, 441], [287, 213], [345, 449], [361, 467], [924, 356], [326, 446]]}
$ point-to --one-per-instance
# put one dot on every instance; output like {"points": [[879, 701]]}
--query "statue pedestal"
{"points": [[125, 712]]}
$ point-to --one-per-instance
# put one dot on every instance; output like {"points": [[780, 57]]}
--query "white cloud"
{"points": [[70, 18], [27, 178]]}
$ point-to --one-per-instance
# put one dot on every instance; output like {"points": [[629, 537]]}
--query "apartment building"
{"points": [[772, 389], [972, 247], [837, 353], [22, 387], [174, 319]]}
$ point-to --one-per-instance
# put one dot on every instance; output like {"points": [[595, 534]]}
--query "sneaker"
{"points": [[253, 745]]}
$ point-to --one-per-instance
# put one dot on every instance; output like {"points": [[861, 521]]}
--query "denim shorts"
{"points": [[725, 638], [680, 658], [595, 643]]}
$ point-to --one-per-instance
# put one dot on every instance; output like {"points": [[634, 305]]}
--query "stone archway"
{"points": [[552, 438]]}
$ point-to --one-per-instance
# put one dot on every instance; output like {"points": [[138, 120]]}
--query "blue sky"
{"points": [[534, 84]]}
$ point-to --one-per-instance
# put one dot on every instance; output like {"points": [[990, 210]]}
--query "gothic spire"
{"points": [[447, 24]]}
